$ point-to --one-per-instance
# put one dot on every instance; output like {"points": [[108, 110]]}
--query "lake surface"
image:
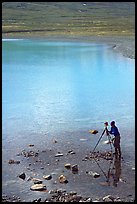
{"points": [[55, 89]]}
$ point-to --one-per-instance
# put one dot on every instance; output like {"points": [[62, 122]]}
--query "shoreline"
{"points": [[124, 45], [35, 163]]}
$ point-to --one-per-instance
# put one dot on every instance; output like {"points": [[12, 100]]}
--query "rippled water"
{"points": [[53, 89]]}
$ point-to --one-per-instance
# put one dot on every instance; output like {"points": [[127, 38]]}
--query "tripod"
{"points": [[109, 138]]}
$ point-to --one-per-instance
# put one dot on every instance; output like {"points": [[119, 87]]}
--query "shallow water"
{"points": [[62, 90]]}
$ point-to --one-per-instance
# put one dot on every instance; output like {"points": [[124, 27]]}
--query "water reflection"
{"points": [[112, 175], [117, 170]]}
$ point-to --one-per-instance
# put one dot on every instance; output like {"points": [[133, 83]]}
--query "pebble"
{"points": [[62, 179], [58, 155], [68, 166], [94, 174], [38, 187], [74, 168], [22, 176], [12, 161], [31, 145], [108, 198], [47, 177], [93, 131]]}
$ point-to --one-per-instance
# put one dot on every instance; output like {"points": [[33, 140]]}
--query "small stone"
{"points": [[72, 152], [11, 161], [68, 165], [73, 192], [94, 174], [22, 176], [47, 177], [62, 179], [108, 198], [31, 145], [55, 141], [58, 155], [37, 181], [51, 192], [93, 131], [29, 178], [38, 187], [75, 168], [89, 200]]}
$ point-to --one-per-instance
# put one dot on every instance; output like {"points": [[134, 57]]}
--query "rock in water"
{"points": [[93, 131]]}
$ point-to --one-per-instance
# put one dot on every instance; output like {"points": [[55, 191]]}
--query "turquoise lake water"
{"points": [[54, 88], [61, 86]]}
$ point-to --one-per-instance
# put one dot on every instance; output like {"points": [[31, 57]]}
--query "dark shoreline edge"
{"points": [[124, 45]]}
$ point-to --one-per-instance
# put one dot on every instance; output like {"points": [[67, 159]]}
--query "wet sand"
{"points": [[36, 162]]}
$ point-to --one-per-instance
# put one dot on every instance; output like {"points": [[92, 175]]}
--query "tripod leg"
{"points": [[110, 141], [97, 143]]}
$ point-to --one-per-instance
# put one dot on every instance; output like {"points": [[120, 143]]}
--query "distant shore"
{"points": [[122, 44]]}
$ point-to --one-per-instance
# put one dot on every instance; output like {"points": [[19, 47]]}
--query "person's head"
{"points": [[112, 123]]}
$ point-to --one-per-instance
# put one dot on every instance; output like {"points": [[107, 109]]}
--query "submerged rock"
{"points": [[93, 131]]}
